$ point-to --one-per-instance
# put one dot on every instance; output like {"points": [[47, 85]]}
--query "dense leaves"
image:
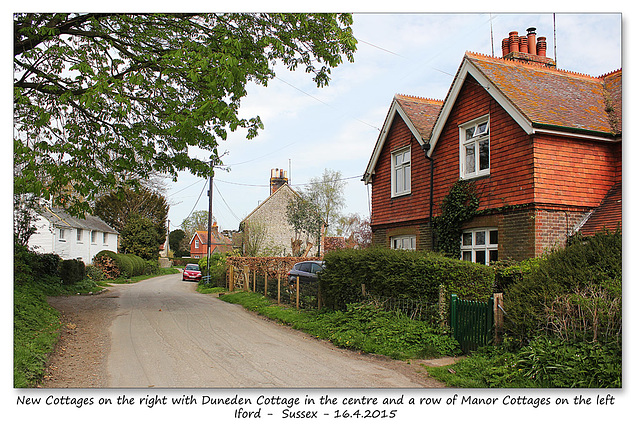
{"points": [[119, 207], [104, 100], [458, 206], [401, 274], [584, 279], [140, 237]]}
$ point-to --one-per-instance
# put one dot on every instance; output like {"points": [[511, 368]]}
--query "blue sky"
{"points": [[309, 129]]}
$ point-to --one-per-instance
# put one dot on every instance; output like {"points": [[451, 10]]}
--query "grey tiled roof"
{"points": [[62, 219]]}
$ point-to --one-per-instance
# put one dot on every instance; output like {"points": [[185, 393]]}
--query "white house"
{"points": [[72, 238]]}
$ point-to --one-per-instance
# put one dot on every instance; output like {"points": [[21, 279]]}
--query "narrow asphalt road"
{"points": [[167, 335]]}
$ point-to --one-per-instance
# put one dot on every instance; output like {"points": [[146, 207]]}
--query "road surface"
{"points": [[167, 335]]}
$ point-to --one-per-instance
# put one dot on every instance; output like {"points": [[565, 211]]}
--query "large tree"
{"points": [[326, 193], [117, 208], [196, 221], [99, 97]]}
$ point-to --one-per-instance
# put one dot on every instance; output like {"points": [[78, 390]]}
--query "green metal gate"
{"points": [[471, 323]]}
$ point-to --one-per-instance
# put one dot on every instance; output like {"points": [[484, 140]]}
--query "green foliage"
{"points": [[72, 271], [585, 275], [508, 272], [170, 83], [35, 326], [400, 274], [362, 327], [118, 207], [28, 264], [140, 237], [459, 206], [217, 269], [114, 265], [94, 273], [544, 363], [179, 243]]}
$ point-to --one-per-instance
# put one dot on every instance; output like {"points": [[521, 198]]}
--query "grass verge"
{"points": [[544, 363], [362, 327]]}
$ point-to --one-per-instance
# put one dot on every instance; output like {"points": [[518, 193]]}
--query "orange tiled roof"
{"points": [[216, 238], [555, 97], [422, 112], [608, 215]]}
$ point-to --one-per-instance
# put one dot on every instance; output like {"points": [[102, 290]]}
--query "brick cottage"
{"points": [[542, 146]]}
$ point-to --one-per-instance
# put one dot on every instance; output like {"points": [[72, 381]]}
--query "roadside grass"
{"points": [[543, 363], [362, 327], [203, 289], [36, 324]]}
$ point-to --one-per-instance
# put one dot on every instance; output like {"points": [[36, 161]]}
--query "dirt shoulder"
{"points": [[79, 358]]}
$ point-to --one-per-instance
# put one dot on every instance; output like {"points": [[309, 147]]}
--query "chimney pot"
{"points": [[505, 47], [514, 41], [541, 47], [524, 44], [531, 35]]}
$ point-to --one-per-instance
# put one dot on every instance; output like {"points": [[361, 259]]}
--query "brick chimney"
{"points": [[526, 48], [278, 179]]}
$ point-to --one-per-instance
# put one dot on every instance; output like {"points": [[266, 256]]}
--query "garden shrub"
{"points": [[400, 274], [217, 267], [94, 273], [72, 271], [108, 262], [584, 276], [151, 267]]}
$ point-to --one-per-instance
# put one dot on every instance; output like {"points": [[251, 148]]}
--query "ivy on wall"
{"points": [[459, 206]]}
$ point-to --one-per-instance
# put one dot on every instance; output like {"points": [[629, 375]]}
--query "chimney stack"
{"points": [[526, 48], [278, 179]]}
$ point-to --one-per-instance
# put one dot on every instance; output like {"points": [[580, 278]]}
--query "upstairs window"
{"points": [[79, 235], [474, 148], [480, 245], [401, 172]]}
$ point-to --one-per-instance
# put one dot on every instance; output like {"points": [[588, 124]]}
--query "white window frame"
{"points": [[61, 235], [404, 168], [197, 244], [477, 136], [105, 238], [405, 242], [79, 235], [94, 237], [470, 249]]}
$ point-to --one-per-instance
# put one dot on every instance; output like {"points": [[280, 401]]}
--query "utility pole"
{"points": [[209, 223]]}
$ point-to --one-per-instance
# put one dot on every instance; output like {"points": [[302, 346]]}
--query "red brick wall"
{"points": [[511, 178], [411, 207], [552, 228], [574, 172]]}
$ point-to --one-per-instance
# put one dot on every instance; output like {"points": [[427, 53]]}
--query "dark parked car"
{"points": [[307, 271], [191, 272]]}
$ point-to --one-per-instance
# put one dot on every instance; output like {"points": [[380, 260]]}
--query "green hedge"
{"points": [[72, 271], [114, 265], [580, 282], [400, 274]]}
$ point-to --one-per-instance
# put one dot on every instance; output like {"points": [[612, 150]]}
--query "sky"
{"points": [[309, 129]]}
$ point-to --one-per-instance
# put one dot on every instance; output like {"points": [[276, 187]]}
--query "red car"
{"points": [[191, 272]]}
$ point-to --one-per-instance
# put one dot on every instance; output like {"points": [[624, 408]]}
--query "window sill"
{"points": [[394, 196]]}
